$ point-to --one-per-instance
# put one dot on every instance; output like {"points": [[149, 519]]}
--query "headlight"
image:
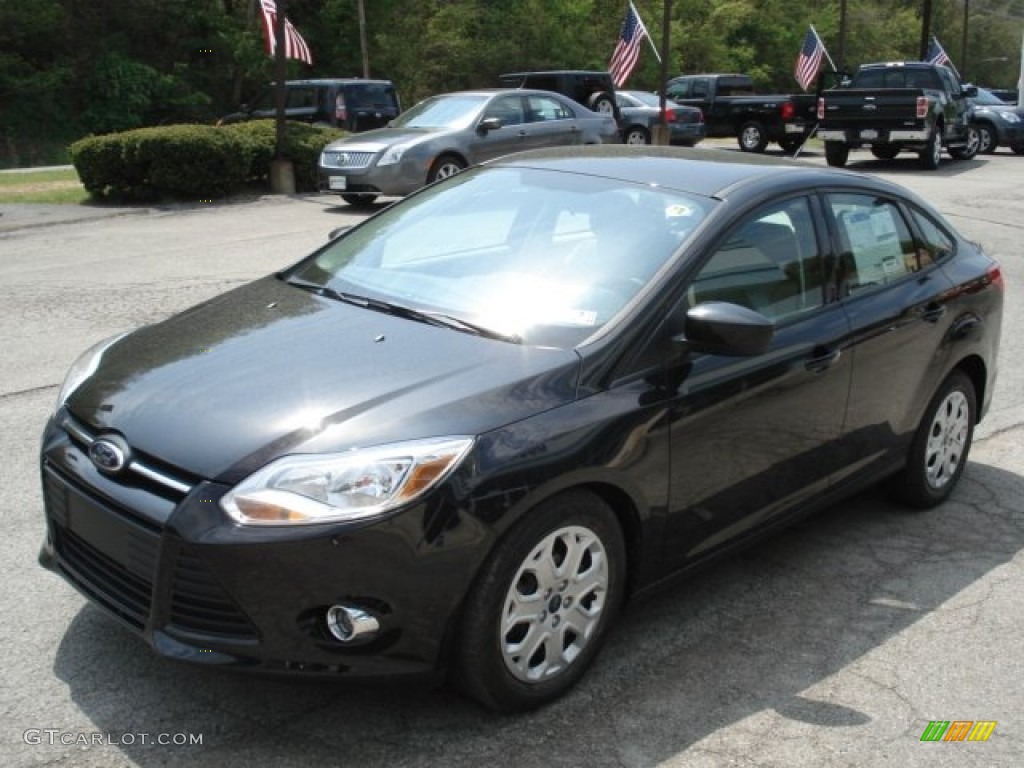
{"points": [[322, 488], [1010, 117], [392, 154], [84, 367]]}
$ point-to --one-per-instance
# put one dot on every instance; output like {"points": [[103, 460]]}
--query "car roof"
{"points": [[494, 91], [556, 72], [337, 81], [705, 172]]}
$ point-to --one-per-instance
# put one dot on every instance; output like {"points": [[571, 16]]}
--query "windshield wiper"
{"points": [[430, 317]]}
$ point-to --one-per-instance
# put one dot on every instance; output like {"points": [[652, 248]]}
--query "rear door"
{"points": [[897, 301], [549, 123]]}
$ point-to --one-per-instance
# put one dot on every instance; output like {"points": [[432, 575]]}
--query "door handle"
{"points": [[933, 312], [823, 359]]}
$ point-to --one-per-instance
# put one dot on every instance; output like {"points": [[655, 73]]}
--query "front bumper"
{"points": [[197, 587], [397, 179], [1009, 134]]}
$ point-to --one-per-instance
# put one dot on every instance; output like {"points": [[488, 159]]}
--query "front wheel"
{"points": [[939, 451], [543, 603], [751, 137], [359, 200], [931, 156], [445, 166], [836, 153], [987, 141]]}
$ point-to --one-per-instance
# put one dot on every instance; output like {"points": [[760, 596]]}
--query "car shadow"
{"points": [[909, 163], [745, 636]]}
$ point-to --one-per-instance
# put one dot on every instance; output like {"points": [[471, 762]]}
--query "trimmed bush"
{"points": [[194, 162]]}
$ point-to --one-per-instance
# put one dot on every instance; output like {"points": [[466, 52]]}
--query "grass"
{"points": [[60, 187]]}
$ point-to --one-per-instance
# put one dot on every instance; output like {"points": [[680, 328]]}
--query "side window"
{"points": [[770, 263], [301, 98], [700, 88], [508, 109], [875, 244], [936, 243], [544, 108], [680, 90]]}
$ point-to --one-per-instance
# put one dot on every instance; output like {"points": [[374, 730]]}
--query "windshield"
{"points": [[442, 112], [544, 256], [987, 98]]}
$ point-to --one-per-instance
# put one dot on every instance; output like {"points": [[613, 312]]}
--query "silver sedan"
{"points": [[444, 134]]}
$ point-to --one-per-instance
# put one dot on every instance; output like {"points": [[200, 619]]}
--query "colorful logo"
{"points": [[958, 730]]}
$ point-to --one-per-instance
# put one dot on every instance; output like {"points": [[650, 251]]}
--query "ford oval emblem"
{"points": [[108, 455]]}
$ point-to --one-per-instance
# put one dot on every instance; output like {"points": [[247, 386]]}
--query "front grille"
{"points": [[200, 604], [106, 553], [346, 159]]}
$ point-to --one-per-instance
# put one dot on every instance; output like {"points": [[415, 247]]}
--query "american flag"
{"points": [[294, 46], [809, 60], [937, 55], [627, 50]]}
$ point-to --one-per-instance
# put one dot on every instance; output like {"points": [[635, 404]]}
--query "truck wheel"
{"points": [[836, 153], [602, 103], [931, 156], [987, 141], [970, 147], [751, 137], [884, 151]]}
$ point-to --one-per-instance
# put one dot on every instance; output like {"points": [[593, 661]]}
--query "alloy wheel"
{"points": [[947, 439]]}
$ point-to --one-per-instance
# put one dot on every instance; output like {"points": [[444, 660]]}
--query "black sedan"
{"points": [[458, 436], [640, 112]]}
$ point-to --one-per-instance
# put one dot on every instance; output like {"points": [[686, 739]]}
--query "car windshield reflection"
{"points": [[540, 256], [441, 112]]}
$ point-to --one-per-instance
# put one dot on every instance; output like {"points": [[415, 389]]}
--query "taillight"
{"points": [[821, 107], [340, 113], [922, 107], [700, 115], [787, 110], [669, 115], [995, 277]]}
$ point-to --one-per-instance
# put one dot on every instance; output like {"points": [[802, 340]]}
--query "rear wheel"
{"points": [[637, 135], [359, 200], [931, 155], [987, 141], [445, 166], [884, 151], [751, 137], [836, 153], [543, 603], [939, 451]]}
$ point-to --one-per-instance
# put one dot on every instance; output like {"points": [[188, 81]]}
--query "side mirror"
{"points": [[490, 124], [970, 91], [721, 328]]}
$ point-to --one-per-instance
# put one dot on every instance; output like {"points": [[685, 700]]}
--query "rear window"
{"points": [[735, 86], [897, 78], [370, 96]]}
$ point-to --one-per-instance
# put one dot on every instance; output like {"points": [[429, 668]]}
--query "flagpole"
{"points": [[647, 34], [824, 49]]}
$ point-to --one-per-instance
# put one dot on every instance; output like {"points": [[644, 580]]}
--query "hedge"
{"points": [[194, 162]]}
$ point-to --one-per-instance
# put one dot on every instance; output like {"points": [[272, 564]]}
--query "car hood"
{"points": [[381, 138], [270, 369]]}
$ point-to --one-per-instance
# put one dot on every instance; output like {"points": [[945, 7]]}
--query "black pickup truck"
{"points": [[899, 106], [731, 108]]}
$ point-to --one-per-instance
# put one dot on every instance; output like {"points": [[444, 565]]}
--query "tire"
{"points": [[445, 166], [751, 137], [636, 135], [970, 148], [836, 153], [941, 444], [359, 200], [931, 155], [884, 151], [602, 103], [575, 530], [1017, 149], [987, 139]]}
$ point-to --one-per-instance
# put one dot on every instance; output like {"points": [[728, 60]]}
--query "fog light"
{"points": [[348, 623]]}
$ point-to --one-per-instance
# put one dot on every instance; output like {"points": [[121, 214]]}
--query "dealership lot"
{"points": [[834, 643]]}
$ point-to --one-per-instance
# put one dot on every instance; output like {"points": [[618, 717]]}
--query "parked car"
{"points": [[444, 134], [731, 107], [640, 111], [591, 89], [348, 103], [899, 106], [999, 124], [459, 434]]}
